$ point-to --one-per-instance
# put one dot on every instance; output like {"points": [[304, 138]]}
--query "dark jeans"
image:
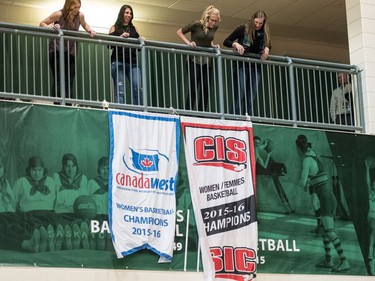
{"points": [[345, 119], [246, 79], [69, 63], [199, 75]]}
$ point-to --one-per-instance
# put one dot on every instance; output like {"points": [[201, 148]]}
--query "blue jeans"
{"points": [[246, 80], [133, 73]]}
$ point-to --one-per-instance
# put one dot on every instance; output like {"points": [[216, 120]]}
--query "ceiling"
{"points": [[322, 21]]}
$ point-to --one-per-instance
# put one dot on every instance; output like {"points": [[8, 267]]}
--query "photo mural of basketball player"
{"points": [[35, 195], [286, 245], [8, 221], [71, 183], [267, 166], [283, 237], [370, 181], [98, 189], [314, 177]]}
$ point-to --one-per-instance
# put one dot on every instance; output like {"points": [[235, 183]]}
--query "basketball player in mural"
{"points": [[71, 183], [314, 175], [98, 189], [266, 165], [370, 165]]}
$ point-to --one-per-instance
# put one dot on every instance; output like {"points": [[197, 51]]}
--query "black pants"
{"points": [[345, 119], [199, 75], [69, 63]]}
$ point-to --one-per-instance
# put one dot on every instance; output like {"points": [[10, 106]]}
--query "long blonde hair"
{"points": [[207, 13], [251, 28], [67, 12]]}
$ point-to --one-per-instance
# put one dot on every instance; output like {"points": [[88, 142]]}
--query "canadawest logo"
{"points": [[143, 164], [145, 161], [228, 153]]}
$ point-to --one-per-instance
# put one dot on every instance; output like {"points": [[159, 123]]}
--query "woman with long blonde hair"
{"points": [[202, 33]]}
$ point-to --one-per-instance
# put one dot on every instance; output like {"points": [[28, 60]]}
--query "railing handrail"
{"points": [[290, 63]]}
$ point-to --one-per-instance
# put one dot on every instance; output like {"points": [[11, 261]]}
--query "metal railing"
{"points": [[283, 90]]}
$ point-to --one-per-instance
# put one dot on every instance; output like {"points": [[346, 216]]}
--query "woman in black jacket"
{"points": [[250, 38]]}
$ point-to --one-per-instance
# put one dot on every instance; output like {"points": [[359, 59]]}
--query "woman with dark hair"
{"points": [[314, 175], [35, 195], [98, 189], [250, 38], [70, 184], [69, 18], [124, 60]]}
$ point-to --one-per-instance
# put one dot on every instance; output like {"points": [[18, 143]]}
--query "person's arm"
{"points": [[232, 40], [181, 34], [112, 30], [86, 26], [261, 162], [215, 45], [137, 33], [51, 19], [368, 180], [305, 172], [265, 53], [332, 107]]}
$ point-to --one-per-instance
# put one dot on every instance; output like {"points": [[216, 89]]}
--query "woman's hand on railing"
{"points": [[192, 44], [56, 26], [265, 53], [238, 47], [92, 33], [125, 34]]}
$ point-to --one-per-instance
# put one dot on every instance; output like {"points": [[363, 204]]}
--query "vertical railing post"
{"points": [[292, 91], [220, 81], [360, 99], [144, 73], [61, 66]]}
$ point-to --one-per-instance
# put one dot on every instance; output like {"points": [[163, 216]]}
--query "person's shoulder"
{"points": [[242, 26], [191, 26], [55, 16], [195, 24], [308, 159], [50, 181], [20, 181], [240, 29]]}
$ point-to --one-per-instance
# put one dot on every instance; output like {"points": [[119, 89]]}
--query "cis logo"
{"points": [[220, 149], [233, 260]]}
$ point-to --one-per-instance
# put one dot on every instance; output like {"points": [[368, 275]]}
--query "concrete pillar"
{"points": [[361, 35]]}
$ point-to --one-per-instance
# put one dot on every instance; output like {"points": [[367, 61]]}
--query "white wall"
{"points": [[63, 274], [361, 32]]}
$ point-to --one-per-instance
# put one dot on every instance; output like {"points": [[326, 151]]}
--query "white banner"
{"points": [[220, 162], [143, 178]]}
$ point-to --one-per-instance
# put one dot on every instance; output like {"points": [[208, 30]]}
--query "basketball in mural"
{"points": [[85, 207]]}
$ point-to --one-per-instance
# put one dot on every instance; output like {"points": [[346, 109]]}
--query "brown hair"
{"points": [[67, 12], [251, 28]]}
